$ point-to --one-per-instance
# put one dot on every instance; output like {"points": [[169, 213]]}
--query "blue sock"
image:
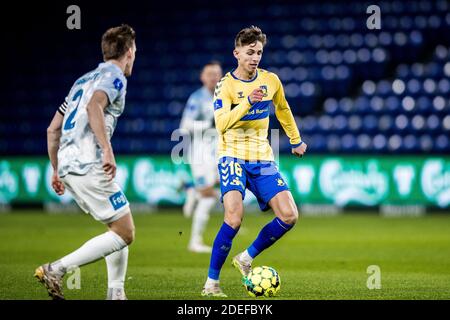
{"points": [[221, 248], [268, 235]]}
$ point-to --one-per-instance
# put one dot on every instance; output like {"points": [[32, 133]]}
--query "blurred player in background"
{"points": [[83, 162], [241, 109], [198, 117]]}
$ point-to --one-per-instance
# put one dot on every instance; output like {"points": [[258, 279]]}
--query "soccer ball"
{"points": [[262, 281]]}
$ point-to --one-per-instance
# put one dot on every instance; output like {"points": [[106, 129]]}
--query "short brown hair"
{"points": [[250, 35], [116, 41], [212, 63]]}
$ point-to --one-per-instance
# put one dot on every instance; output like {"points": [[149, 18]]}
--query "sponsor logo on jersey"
{"points": [[118, 200], [118, 84], [218, 104], [240, 94]]}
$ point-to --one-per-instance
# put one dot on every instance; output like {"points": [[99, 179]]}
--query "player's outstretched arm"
{"points": [[53, 136], [95, 110], [284, 115]]}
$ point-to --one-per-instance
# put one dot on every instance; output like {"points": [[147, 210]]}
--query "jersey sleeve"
{"points": [[192, 109], [285, 117], [226, 115], [63, 107], [112, 84], [191, 116]]}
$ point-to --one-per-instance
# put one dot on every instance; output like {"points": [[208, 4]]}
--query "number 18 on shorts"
{"points": [[262, 178]]}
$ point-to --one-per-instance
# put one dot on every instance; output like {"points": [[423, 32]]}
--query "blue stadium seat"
{"points": [[352, 90]]}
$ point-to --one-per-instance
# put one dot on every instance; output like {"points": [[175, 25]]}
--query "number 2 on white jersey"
{"points": [[69, 122]]}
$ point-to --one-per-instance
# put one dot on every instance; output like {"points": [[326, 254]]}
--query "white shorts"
{"points": [[103, 199], [205, 175]]}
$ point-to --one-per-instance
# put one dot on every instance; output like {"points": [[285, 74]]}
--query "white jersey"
{"points": [[198, 119], [78, 148]]}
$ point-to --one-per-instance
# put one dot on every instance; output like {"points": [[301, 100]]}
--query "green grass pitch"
{"points": [[321, 258]]}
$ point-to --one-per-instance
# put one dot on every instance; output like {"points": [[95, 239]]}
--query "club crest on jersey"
{"points": [[237, 182], [240, 94], [280, 182], [264, 89]]}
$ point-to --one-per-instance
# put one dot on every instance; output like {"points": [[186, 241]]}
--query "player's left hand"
{"points": [[57, 184], [300, 150], [109, 163]]}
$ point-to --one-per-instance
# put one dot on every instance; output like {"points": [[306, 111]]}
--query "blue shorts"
{"points": [[262, 178]]}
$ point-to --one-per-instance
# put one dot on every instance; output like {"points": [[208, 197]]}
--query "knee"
{"points": [[233, 215], [234, 222], [290, 216], [128, 235], [131, 236]]}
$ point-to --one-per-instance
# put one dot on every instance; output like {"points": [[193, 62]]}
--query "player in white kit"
{"points": [[83, 162], [198, 120]]}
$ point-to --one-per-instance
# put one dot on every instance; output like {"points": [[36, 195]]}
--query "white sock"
{"points": [[116, 264], [191, 194], [245, 257], [93, 250], [211, 282], [191, 199], [200, 218]]}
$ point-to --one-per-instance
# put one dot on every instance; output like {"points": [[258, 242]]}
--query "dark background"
{"points": [[174, 39]]}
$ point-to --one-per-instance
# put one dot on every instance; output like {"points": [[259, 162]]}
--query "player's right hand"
{"points": [[300, 150], [57, 184], [109, 163], [256, 96]]}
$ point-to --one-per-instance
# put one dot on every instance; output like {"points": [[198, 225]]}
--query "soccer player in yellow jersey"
{"points": [[241, 111]]}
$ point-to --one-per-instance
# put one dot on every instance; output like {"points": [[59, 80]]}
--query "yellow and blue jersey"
{"points": [[243, 127]]}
